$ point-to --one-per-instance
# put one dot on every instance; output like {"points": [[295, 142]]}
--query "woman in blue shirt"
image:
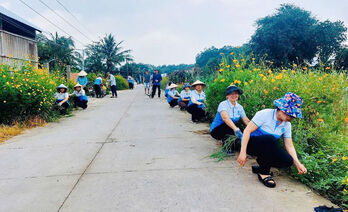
{"points": [[184, 97], [261, 139], [62, 98], [196, 104], [173, 95], [80, 97], [228, 114], [82, 79]]}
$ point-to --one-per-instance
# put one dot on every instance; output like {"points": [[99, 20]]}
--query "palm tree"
{"points": [[113, 53]]}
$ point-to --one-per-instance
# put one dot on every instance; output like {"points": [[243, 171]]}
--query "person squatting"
{"points": [[262, 134]]}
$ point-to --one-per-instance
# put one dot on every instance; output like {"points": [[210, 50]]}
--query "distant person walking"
{"points": [[112, 82], [146, 81], [156, 83], [97, 86], [130, 82]]}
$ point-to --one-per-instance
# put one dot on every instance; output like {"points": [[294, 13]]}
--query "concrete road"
{"points": [[133, 154]]}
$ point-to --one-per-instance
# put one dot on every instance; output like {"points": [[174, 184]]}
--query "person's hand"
{"points": [[60, 103], [301, 169], [238, 133], [242, 158], [156, 80]]}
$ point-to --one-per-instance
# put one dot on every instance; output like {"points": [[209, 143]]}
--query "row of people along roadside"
{"points": [[79, 95], [262, 134]]}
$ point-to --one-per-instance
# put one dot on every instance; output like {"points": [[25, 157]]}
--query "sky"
{"points": [[165, 31]]}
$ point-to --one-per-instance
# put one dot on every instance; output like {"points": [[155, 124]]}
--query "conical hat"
{"points": [[78, 85], [62, 86], [172, 86], [198, 83], [82, 74]]}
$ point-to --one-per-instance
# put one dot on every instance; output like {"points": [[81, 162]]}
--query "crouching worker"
{"points": [[62, 97], [173, 95], [196, 104], [184, 97], [80, 97], [261, 139], [228, 114]]}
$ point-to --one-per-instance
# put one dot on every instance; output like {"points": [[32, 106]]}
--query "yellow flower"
{"points": [[274, 88], [273, 80], [295, 65], [221, 53], [235, 61], [231, 53], [7, 83], [320, 120], [29, 94], [251, 81], [253, 58], [265, 91], [320, 78], [346, 119], [238, 47], [304, 68], [235, 81], [293, 71], [344, 158], [319, 102], [228, 66], [327, 68], [246, 83], [237, 66], [283, 70], [269, 71], [279, 76], [264, 78], [220, 70], [333, 160], [5, 101], [222, 80]]}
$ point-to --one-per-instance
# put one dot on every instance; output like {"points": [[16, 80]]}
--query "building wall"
{"points": [[15, 49]]}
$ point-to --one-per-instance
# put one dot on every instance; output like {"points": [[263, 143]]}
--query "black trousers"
{"points": [[63, 108], [113, 90], [154, 87], [97, 91], [221, 131], [131, 85], [79, 103], [197, 113], [173, 103], [182, 105], [268, 152]]}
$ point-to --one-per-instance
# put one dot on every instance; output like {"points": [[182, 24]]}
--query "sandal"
{"points": [[266, 181], [256, 170]]}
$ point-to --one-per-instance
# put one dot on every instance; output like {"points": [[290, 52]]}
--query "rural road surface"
{"points": [[133, 154]]}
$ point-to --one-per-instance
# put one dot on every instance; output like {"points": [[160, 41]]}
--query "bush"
{"points": [[121, 83], [164, 82], [27, 92], [320, 138]]}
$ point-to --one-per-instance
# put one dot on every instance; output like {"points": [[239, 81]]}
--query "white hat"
{"points": [[62, 86], [172, 86], [82, 74], [198, 83], [78, 85]]}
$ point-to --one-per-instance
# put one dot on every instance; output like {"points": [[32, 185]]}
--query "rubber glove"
{"points": [[238, 133]]}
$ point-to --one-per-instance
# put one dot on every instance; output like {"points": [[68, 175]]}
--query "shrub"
{"points": [[27, 92], [164, 82], [320, 138], [121, 83]]}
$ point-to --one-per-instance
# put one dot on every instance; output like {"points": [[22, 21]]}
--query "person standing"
{"points": [[146, 81], [112, 82], [130, 82], [82, 79], [97, 83], [156, 83]]}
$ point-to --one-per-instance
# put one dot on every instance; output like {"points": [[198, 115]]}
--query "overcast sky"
{"points": [[167, 31]]}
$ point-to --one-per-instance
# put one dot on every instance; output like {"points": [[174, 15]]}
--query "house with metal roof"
{"points": [[17, 39]]}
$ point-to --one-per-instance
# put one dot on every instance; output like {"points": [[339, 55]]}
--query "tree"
{"points": [[294, 35], [341, 60], [106, 54], [58, 51]]}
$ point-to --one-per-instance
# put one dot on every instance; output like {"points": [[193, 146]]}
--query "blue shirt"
{"points": [[172, 92], [199, 97], [267, 123], [130, 80], [147, 78], [157, 77], [184, 95], [98, 81], [234, 112], [82, 81]]}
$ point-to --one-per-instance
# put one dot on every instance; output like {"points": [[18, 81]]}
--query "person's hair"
{"points": [[99, 75], [169, 83], [156, 70], [108, 73], [146, 70]]}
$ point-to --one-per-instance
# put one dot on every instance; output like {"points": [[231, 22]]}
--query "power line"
{"points": [[50, 22], [66, 9], [65, 20]]}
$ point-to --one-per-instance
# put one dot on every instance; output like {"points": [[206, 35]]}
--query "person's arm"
{"points": [[245, 120], [251, 127], [289, 146], [228, 121], [64, 100], [194, 101]]}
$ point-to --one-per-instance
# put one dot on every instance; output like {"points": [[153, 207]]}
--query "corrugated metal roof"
{"points": [[10, 14]]}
